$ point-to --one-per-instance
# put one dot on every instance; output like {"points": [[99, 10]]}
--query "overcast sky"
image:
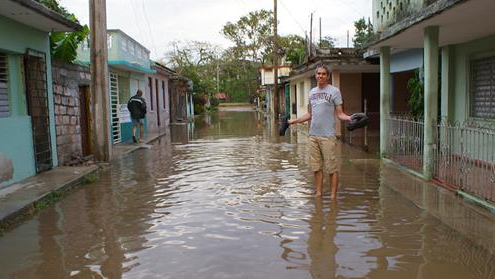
{"points": [[156, 23]]}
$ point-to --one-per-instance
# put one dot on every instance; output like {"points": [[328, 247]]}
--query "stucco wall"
{"points": [[463, 52], [400, 95], [161, 106], [16, 142], [387, 12], [350, 88]]}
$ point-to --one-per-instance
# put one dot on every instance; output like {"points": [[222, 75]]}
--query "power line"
{"points": [[292, 16], [149, 28], [136, 19]]}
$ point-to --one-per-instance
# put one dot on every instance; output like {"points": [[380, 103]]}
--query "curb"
{"points": [[48, 198]]}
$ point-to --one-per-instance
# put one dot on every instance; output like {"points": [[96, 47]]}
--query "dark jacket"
{"points": [[137, 107]]}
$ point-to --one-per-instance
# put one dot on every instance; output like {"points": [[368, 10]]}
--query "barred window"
{"points": [[4, 85], [482, 87]]}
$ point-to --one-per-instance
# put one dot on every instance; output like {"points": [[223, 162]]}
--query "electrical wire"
{"points": [[292, 16], [136, 19], [149, 28]]}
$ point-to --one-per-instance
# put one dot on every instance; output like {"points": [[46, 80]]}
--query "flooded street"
{"points": [[229, 198]]}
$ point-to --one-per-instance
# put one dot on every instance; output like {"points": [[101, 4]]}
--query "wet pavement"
{"points": [[228, 198]]}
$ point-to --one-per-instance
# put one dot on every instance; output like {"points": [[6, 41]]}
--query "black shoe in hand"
{"points": [[358, 120], [284, 125]]}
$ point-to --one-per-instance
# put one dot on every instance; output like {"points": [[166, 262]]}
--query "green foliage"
{"points": [[237, 67], [363, 33], [294, 47], [416, 89], [214, 102], [251, 35], [48, 201], [64, 44], [327, 42], [199, 108], [91, 177], [197, 61], [55, 6]]}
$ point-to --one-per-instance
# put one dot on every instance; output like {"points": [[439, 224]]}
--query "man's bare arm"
{"points": [[341, 114]]}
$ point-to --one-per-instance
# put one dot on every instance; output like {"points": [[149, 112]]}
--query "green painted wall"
{"points": [[16, 143], [16, 130], [121, 49], [462, 54], [21, 37]]}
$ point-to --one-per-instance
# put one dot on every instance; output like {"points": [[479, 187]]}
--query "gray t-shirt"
{"points": [[323, 102]]}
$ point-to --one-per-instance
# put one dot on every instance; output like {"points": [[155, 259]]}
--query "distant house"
{"points": [[451, 45], [27, 120], [268, 83], [222, 97], [159, 96], [129, 64], [181, 100]]}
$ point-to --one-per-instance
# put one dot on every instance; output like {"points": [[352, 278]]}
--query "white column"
{"points": [[431, 97], [384, 96]]}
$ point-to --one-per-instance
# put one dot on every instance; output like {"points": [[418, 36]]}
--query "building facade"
{"points": [[27, 119], [128, 65], [450, 44]]}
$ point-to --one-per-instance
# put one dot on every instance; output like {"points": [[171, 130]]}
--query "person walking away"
{"points": [[325, 103], [137, 108]]}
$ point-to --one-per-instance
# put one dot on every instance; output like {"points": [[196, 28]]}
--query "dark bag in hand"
{"points": [[284, 125], [358, 120]]}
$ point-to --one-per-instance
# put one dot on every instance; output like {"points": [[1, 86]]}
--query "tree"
{"points": [[195, 60], [363, 33], [294, 48], [327, 42], [251, 35], [415, 86], [64, 44]]}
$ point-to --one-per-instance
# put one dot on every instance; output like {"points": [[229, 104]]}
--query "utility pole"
{"points": [[218, 76], [311, 35], [275, 60], [320, 33], [347, 38], [100, 124]]}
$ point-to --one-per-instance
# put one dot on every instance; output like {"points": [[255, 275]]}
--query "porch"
{"points": [[463, 153]]}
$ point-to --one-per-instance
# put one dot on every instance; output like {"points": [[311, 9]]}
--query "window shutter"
{"points": [[4, 93], [482, 87]]}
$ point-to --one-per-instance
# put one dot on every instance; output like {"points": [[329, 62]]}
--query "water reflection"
{"points": [[321, 246], [228, 198]]}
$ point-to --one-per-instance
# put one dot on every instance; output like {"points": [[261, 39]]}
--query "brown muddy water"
{"points": [[228, 198]]}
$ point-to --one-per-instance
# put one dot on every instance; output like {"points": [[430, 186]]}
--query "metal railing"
{"points": [[405, 141], [464, 158]]}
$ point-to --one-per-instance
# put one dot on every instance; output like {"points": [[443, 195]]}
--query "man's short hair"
{"points": [[139, 92], [322, 66]]}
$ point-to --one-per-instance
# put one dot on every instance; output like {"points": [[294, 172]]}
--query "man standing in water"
{"points": [[137, 108], [325, 103]]}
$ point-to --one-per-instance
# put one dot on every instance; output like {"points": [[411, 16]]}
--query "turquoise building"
{"points": [[129, 64], [27, 124], [448, 48]]}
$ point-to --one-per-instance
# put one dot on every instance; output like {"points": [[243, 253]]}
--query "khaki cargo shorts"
{"points": [[323, 154]]}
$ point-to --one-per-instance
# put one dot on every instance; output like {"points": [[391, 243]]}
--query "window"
{"points": [[86, 44], [4, 85], [124, 45], [131, 48], [109, 41], [164, 96], [150, 86], [482, 87], [301, 94]]}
